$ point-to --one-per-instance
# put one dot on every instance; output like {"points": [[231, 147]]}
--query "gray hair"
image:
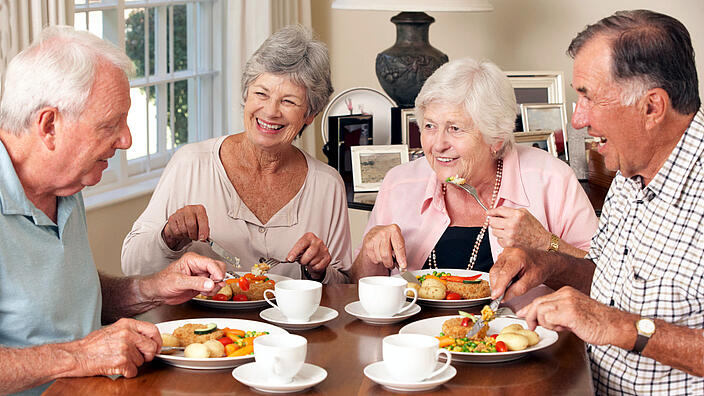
{"points": [[57, 70], [484, 91], [292, 51], [648, 50]]}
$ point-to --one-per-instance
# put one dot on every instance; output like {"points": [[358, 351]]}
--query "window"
{"points": [[175, 48]]}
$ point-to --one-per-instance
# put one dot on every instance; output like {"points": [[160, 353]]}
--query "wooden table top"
{"points": [[344, 347]]}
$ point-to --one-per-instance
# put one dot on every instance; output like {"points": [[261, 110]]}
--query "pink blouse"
{"points": [[411, 197]]}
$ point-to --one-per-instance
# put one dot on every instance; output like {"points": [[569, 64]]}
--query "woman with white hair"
{"points": [[254, 193], [466, 111]]}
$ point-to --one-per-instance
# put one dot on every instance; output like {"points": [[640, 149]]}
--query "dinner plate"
{"points": [[378, 373], [364, 100], [321, 316], [355, 309], [433, 327], [451, 304], [309, 376], [240, 304], [177, 359]]}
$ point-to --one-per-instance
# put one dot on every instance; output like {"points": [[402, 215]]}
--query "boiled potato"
{"points": [[197, 351], [512, 328], [432, 283], [432, 292], [413, 286], [226, 290], [513, 341], [169, 340], [216, 348], [533, 337]]}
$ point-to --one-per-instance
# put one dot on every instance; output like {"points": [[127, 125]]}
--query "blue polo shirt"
{"points": [[49, 286]]}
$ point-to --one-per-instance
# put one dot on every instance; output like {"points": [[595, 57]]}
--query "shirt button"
{"points": [[262, 230]]}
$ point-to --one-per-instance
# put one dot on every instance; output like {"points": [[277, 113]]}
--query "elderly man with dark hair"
{"points": [[62, 116], [635, 75]]}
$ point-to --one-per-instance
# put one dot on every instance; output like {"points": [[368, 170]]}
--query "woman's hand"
{"points": [[517, 227], [381, 246], [190, 223], [310, 251]]}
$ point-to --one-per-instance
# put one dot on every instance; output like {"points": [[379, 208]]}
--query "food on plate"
{"points": [[215, 343], [413, 286], [260, 269], [511, 338], [445, 286], [248, 287], [456, 179], [169, 340]]}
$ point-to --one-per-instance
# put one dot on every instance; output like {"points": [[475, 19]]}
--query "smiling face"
{"points": [[453, 145], [275, 111], [83, 146], [625, 143]]}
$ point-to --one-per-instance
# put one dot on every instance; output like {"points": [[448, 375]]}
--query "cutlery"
{"points": [[167, 349], [479, 324], [227, 256], [409, 277], [470, 189]]}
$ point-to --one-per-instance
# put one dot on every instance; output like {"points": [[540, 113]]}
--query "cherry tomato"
{"points": [[452, 296], [239, 297], [243, 283], [220, 297], [465, 322], [225, 341], [501, 347], [494, 336]]}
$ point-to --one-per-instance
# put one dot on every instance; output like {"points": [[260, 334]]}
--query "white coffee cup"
{"points": [[297, 299], [384, 296], [413, 357], [280, 357]]}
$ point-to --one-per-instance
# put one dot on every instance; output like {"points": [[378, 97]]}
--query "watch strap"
{"points": [[641, 342]]}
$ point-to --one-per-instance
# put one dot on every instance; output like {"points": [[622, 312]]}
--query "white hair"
{"points": [[57, 70], [484, 91]]}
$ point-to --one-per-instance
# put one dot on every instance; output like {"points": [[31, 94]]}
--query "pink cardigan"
{"points": [[411, 197]]}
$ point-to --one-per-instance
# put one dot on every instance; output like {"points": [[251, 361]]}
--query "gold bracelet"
{"points": [[554, 243]]}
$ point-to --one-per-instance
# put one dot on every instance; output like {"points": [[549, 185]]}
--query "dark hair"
{"points": [[652, 48]]}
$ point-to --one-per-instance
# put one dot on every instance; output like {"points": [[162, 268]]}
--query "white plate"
{"points": [[309, 376], [451, 304], [321, 316], [355, 309], [177, 359], [372, 101], [377, 372], [240, 304], [433, 327]]}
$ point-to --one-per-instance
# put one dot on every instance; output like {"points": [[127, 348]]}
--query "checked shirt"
{"points": [[649, 256]]}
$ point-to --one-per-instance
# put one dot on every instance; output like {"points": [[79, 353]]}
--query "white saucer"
{"points": [[309, 376], [355, 309], [377, 372], [321, 316]]}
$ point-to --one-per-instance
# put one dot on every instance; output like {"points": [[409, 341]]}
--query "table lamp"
{"points": [[403, 68]]}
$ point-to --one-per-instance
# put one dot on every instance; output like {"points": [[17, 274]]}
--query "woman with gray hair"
{"points": [[420, 220], [254, 193]]}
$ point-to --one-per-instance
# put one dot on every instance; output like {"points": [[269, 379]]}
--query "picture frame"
{"points": [[544, 140], [410, 130], [537, 86], [347, 131], [547, 117], [370, 164]]}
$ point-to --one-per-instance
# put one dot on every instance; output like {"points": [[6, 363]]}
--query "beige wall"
{"points": [[519, 35]]}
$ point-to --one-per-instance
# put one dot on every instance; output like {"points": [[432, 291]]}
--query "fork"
{"points": [[472, 191]]}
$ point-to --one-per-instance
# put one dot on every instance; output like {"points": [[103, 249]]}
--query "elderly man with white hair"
{"points": [[63, 114]]}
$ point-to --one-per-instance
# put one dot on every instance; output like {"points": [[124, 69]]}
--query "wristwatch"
{"points": [[646, 328], [554, 243]]}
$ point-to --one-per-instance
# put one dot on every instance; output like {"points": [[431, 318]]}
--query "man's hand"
{"points": [[116, 349], [311, 251], [183, 279], [190, 223], [588, 319], [517, 227], [522, 263]]}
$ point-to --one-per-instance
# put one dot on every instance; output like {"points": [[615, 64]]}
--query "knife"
{"points": [[478, 325], [409, 277], [231, 259]]}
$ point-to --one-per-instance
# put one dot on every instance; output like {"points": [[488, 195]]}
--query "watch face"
{"points": [[646, 326]]}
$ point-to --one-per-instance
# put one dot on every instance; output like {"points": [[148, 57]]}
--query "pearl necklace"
{"points": [[432, 260]]}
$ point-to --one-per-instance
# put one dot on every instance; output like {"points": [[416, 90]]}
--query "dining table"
{"points": [[344, 347]]}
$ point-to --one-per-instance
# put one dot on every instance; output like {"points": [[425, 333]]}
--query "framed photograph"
{"points": [[544, 140], [370, 164], [347, 131], [410, 130], [547, 117], [537, 86]]}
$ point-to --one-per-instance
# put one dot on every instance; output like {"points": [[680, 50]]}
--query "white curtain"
{"points": [[22, 20], [249, 23]]}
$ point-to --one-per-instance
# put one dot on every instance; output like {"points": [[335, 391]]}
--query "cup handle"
{"points": [[269, 301], [448, 359], [415, 297]]}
